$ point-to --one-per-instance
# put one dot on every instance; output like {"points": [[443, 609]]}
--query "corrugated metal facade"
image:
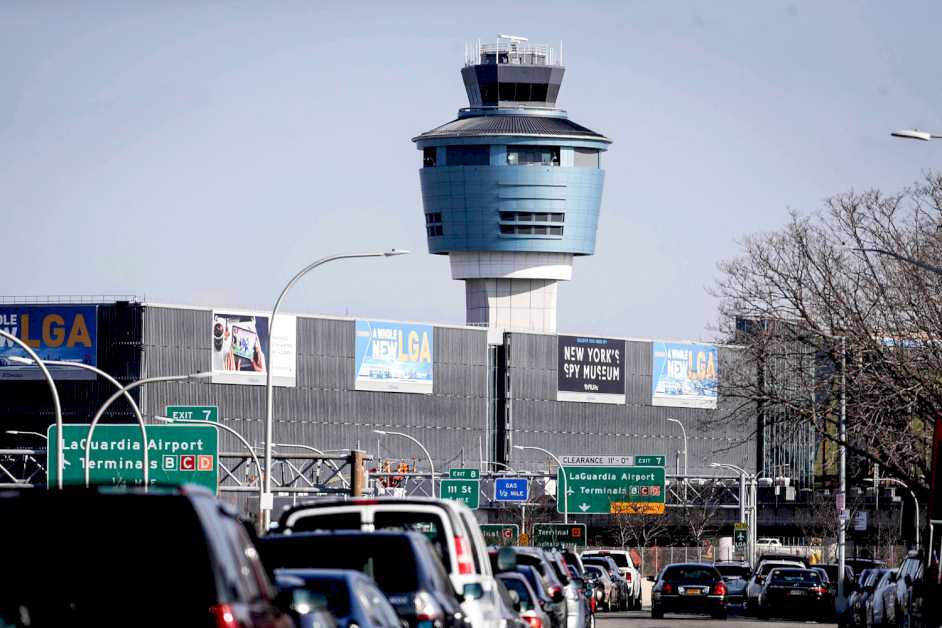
{"points": [[323, 410], [536, 418]]}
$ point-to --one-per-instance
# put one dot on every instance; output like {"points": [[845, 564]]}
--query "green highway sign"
{"points": [[464, 474], [607, 490], [204, 413], [740, 533], [650, 461], [177, 454], [552, 534], [466, 491], [500, 533]]}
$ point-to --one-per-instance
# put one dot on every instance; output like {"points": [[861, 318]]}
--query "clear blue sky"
{"points": [[201, 154]]}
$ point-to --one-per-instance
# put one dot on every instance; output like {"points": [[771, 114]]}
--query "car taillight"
{"points": [[760, 579], [553, 590], [628, 576], [426, 608], [667, 588], [224, 616], [592, 603], [818, 590], [465, 564], [719, 588], [534, 621]]}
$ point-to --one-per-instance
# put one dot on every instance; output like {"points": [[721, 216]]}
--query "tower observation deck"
{"points": [[512, 187]]}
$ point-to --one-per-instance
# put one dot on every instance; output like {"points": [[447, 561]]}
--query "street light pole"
{"points": [[684, 432], [269, 386], [123, 391], [421, 446], [562, 472], [26, 433], [117, 384], [842, 521], [57, 407], [911, 493]]}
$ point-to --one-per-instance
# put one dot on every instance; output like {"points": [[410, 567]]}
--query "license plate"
{"points": [[796, 592], [692, 592]]}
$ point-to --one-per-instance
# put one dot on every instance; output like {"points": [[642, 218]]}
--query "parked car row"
{"points": [[884, 597]]}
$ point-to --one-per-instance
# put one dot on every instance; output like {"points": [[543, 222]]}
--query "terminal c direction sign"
{"points": [[500, 533], [553, 534], [177, 454]]}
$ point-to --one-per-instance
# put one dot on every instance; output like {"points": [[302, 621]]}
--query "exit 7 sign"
{"points": [[191, 413]]}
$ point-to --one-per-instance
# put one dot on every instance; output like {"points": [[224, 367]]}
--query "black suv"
{"points": [[119, 556]]}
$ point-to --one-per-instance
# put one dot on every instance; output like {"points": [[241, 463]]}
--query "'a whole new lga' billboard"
{"points": [[67, 333], [394, 357], [684, 375]]}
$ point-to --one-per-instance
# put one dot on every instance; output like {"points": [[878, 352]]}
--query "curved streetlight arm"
{"points": [[123, 391], [506, 466], [117, 384], [242, 440], [562, 472], [57, 407], [421, 446], [269, 387], [911, 493], [26, 433]]}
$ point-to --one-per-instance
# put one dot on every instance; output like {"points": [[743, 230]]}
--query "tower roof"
{"points": [[517, 125]]}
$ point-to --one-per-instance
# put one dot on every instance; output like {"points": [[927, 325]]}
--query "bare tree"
{"points": [[698, 514], [801, 299]]}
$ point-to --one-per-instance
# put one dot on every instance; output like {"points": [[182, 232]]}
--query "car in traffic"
{"points": [[897, 596], [756, 582], [628, 571], [623, 600], [352, 598], [553, 604], [105, 556], [689, 588], [529, 604], [794, 592], [875, 613], [604, 589], [404, 566], [856, 614], [448, 524], [736, 575], [541, 563], [510, 614]]}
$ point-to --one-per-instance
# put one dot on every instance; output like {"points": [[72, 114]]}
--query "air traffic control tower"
{"points": [[511, 188]]}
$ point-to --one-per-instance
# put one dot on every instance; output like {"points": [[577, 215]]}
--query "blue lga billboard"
{"points": [[684, 375], [67, 333], [394, 357]]}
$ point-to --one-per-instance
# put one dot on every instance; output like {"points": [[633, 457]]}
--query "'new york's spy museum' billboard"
{"points": [[590, 370], [394, 357], [55, 332], [684, 375]]}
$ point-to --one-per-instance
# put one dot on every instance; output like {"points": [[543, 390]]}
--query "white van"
{"points": [[449, 525]]}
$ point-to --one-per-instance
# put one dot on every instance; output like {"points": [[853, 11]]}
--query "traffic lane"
{"points": [[642, 619]]}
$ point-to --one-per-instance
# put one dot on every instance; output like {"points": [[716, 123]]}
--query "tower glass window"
{"points": [[469, 155], [533, 155], [586, 157], [429, 157]]}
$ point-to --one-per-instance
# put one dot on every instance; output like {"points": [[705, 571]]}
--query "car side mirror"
{"points": [[652, 579], [893, 577], [515, 598], [506, 559], [472, 591], [908, 580], [558, 596]]}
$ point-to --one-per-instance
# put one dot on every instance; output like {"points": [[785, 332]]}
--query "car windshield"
{"points": [[425, 523], [330, 591], [523, 592], [620, 559], [795, 576], [765, 568], [99, 552], [733, 571], [594, 570], [388, 559], [690, 573]]}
